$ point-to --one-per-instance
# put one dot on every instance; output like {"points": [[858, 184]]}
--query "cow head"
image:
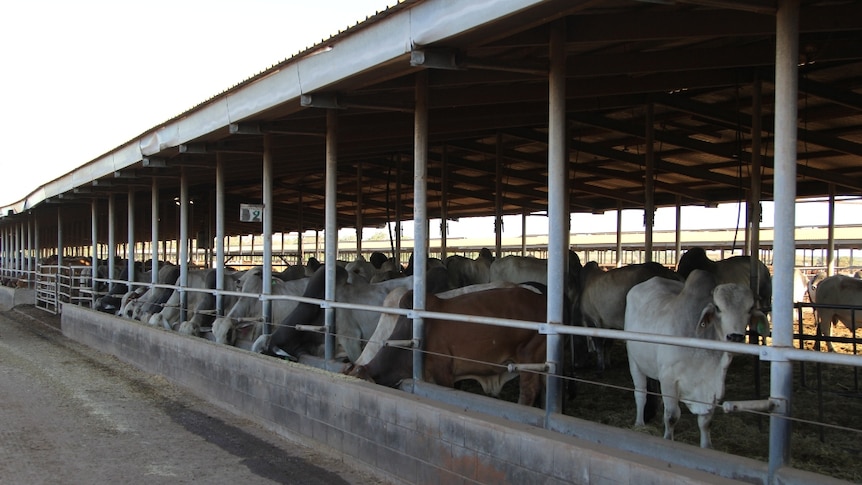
{"points": [[727, 316]]}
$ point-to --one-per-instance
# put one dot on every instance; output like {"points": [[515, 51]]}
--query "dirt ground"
{"points": [[72, 415]]}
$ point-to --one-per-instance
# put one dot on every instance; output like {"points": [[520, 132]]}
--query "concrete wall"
{"points": [[9, 297], [406, 437]]}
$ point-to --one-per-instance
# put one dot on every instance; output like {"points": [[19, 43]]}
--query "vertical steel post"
{"points": [[330, 228], [786, 99], [267, 233], [154, 222], [112, 240], [420, 217], [498, 196], [754, 196], [219, 238], [184, 244], [830, 236], [444, 203], [649, 181], [558, 214], [94, 257], [130, 234]]}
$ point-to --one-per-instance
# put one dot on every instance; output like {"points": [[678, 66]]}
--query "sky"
{"points": [[82, 78]]}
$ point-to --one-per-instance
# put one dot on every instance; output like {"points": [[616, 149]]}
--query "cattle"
{"points": [[363, 271], [111, 302], [242, 323], [736, 269], [200, 305], [696, 308], [143, 302], [387, 322], [800, 286], [524, 269], [352, 327], [836, 291], [814, 284], [293, 272], [456, 351], [603, 298], [430, 263], [464, 271]]}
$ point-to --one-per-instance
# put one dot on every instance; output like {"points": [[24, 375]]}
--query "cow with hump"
{"points": [[697, 308], [353, 327], [242, 323], [837, 291], [735, 269], [602, 301], [456, 350]]}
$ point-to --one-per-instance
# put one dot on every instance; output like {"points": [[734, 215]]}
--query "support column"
{"points": [[786, 99], [331, 228], [219, 239], [649, 183], [183, 244], [420, 217], [154, 239], [267, 232], [558, 217]]}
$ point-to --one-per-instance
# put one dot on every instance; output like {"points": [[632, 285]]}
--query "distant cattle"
{"points": [[697, 308], [456, 351], [833, 293], [464, 271], [800, 286], [142, 302], [242, 323], [169, 316], [353, 327], [814, 283], [603, 298], [430, 264], [111, 302], [736, 269]]}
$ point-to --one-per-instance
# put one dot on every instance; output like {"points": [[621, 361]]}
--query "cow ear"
{"points": [[707, 316]]}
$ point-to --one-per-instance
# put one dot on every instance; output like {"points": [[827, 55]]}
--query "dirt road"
{"points": [[71, 415]]}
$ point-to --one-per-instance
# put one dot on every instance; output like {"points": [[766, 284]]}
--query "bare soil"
{"points": [[72, 415]]}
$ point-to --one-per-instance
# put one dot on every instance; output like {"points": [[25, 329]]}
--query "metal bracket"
{"points": [[772, 354]]}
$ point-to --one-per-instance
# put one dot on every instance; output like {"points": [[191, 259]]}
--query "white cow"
{"points": [[247, 312], [603, 298], [838, 290], [697, 308], [353, 327], [169, 316], [735, 269], [141, 303], [464, 271]]}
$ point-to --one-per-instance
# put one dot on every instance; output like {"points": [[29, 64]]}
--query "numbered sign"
{"points": [[251, 213]]}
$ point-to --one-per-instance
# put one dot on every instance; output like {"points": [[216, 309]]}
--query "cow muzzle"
{"points": [[736, 337]]}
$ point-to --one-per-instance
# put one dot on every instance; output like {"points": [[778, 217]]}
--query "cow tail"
{"points": [[653, 399]]}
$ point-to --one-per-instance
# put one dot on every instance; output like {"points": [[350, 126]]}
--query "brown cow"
{"points": [[458, 351]]}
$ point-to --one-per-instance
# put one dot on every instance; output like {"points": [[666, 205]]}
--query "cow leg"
{"points": [[672, 411], [826, 331], [703, 422], [640, 382]]}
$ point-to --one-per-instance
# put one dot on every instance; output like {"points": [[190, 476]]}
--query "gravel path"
{"points": [[72, 415]]}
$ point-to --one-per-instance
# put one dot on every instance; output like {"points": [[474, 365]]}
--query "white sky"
{"points": [[81, 78]]}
